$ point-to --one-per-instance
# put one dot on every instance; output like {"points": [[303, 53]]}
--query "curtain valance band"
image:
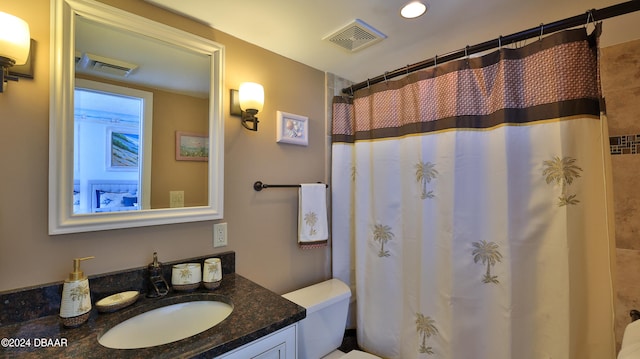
{"points": [[509, 86]]}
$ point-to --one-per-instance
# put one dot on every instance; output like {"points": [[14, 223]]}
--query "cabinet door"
{"points": [[279, 345], [278, 352]]}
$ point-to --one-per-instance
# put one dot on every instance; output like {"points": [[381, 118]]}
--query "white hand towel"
{"points": [[313, 230], [630, 348]]}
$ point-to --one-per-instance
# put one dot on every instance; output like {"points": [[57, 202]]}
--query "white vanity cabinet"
{"points": [[278, 345]]}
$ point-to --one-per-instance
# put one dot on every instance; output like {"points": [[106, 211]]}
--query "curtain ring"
{"points": [[435, 61], [407, 69], [368, 83], [589, 17], [466, 55], [541, 31], [351, 88], [500, 42], [385, 77]]}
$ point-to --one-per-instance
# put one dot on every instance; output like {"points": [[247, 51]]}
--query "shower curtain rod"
{"points": [[583, 19]]}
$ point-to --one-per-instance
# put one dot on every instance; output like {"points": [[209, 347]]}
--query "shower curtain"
{"points": [[470, 208]]}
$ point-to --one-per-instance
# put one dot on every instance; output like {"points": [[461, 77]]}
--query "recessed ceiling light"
{"points": [[413, 10]]}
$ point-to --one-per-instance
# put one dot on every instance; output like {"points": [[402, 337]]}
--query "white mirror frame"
{"points": [[61, 219]]}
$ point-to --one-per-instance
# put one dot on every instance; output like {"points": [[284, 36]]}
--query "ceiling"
{"points": [[102, 50], [296, 28]]}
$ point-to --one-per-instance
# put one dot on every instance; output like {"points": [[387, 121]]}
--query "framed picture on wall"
{"points": [[191, 146], [293, 129], [122, 149]]}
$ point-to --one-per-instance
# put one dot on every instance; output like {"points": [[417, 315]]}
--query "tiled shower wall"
{"points": [[620, 73]]}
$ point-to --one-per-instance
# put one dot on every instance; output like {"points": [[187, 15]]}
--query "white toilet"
{"points": [[321, 332]]}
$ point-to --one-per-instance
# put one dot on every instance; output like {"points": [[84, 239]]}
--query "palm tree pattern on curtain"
{"points": [[487, 253], [426, 328], [382, 233], [562, 171], [425, 172]]}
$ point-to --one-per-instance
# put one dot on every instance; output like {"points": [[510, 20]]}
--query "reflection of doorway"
{"points": [[112, 148]]}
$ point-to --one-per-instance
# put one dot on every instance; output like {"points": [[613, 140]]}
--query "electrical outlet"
{"points": [[176, 199], [219, 235]]}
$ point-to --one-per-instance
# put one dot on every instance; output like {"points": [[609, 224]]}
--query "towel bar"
{"points": [[259, 186]]}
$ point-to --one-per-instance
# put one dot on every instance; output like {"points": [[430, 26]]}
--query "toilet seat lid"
{"points": [[356, 354]]}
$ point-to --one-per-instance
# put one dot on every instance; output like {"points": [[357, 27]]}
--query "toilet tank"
{"points": [[322, 330]]}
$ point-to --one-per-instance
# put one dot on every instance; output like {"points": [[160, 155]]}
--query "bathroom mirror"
{"points": [[136, 128]]}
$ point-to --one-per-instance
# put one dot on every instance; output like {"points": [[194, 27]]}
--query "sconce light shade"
{"points": [[251, 101], [251, 96], [14, 40]]}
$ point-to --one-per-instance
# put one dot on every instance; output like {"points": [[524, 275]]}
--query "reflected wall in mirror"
{"points": [[122, 87]]}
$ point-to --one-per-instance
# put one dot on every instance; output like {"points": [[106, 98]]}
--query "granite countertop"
{"points": [[256, 313]]}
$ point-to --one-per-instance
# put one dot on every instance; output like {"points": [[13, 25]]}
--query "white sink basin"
{"points": [[166, 324]]}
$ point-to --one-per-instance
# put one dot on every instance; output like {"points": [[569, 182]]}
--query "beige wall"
{"points": [[620, 68], [171, 113], [261, 225]]}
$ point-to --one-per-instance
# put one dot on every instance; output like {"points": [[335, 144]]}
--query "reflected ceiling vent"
{"points": [[91, 62], [355, 36]]}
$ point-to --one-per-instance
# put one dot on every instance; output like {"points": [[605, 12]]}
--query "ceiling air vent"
{"points": [[355, 36], [106, 65]]}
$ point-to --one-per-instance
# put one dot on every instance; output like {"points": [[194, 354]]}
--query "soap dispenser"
{"points": [[75, 306]]}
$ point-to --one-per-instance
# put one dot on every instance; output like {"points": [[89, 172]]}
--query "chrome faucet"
{"points": [[158, 286]]}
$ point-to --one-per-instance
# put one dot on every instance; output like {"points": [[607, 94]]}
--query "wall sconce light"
{"points": [[15, 42], [246, 102]]}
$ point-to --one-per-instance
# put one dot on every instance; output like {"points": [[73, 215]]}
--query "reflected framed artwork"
{"points": [[123, 149], [292, 129], [192, 146]]}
